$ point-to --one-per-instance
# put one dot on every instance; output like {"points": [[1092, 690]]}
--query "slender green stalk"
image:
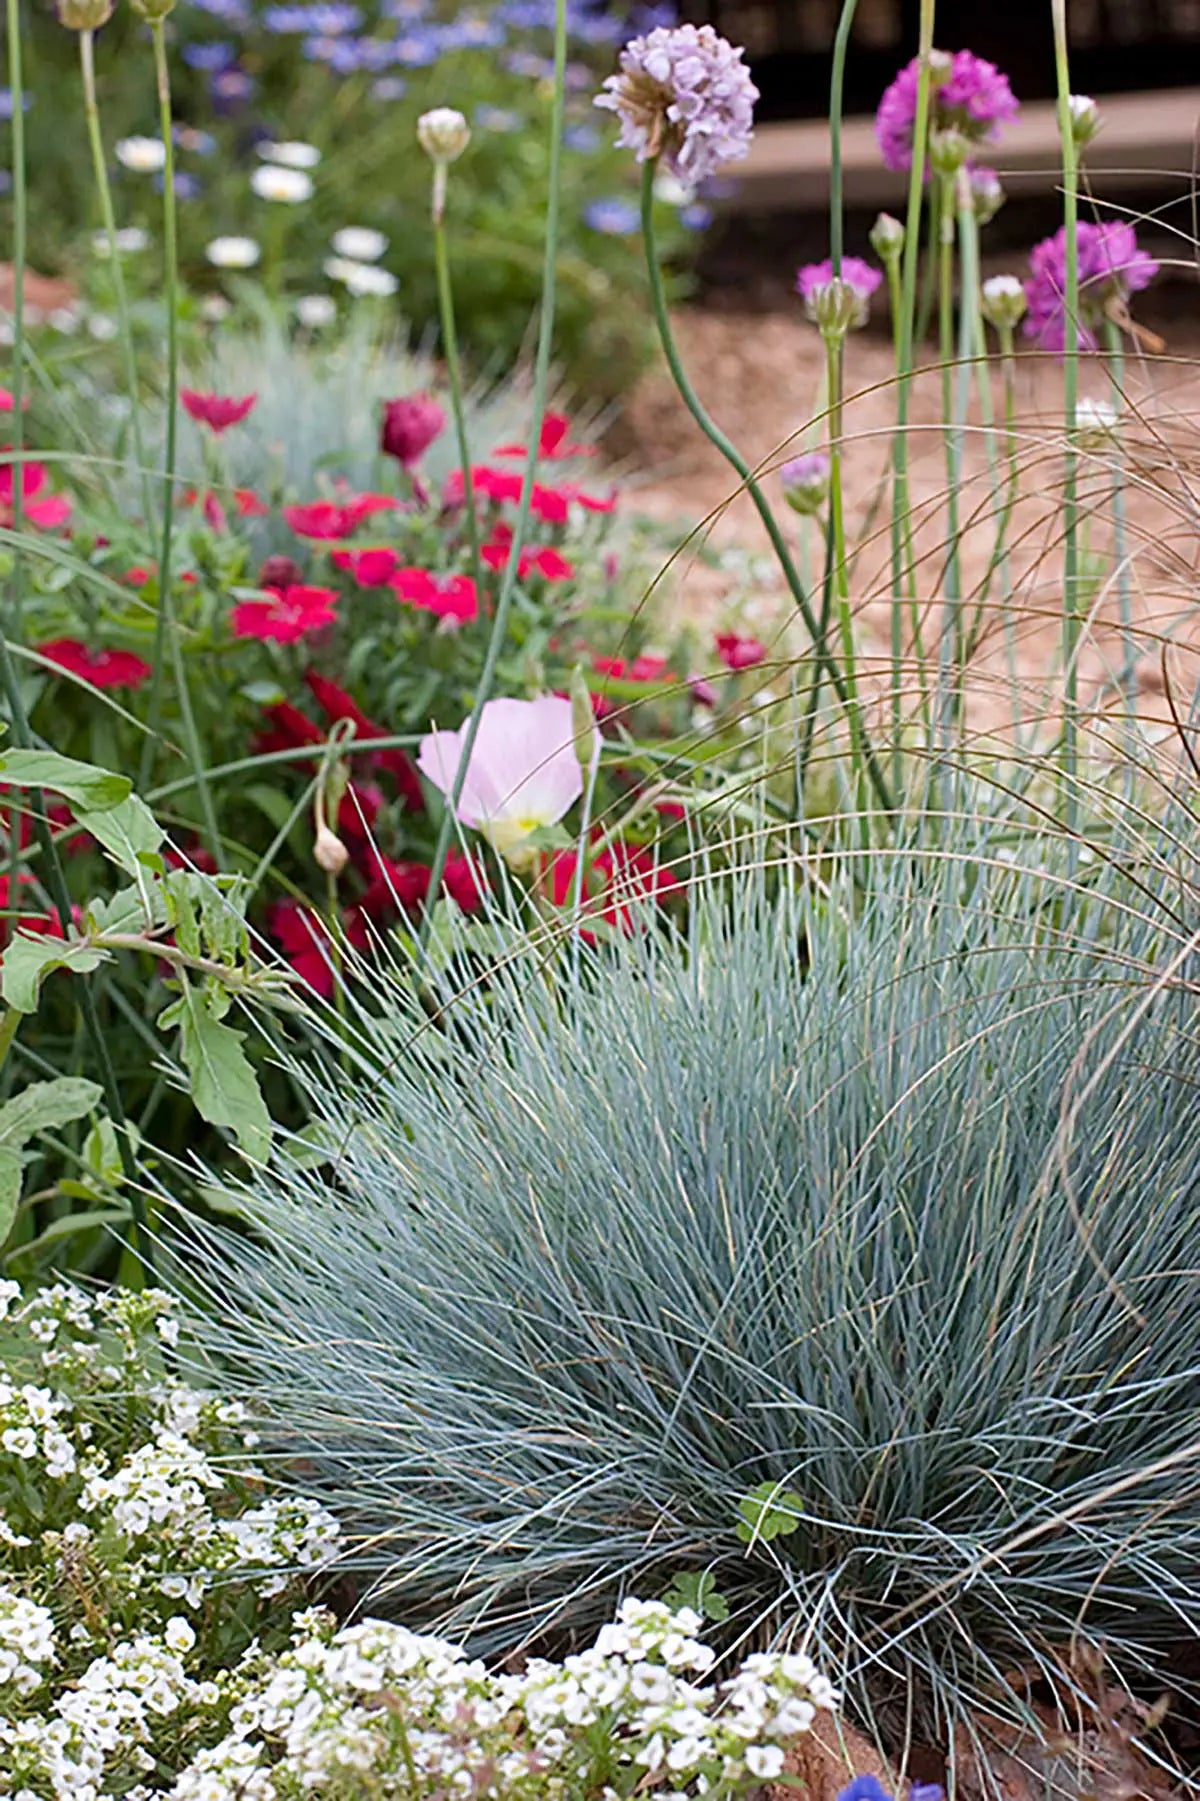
{"points": [[837, 84], [91, 109], [16, 590], [1072, 618], [541, 388], [166, 635], [10, 1023], [1115, 346], [951, 657], [737, 461], [445, 293], [902, 499]]}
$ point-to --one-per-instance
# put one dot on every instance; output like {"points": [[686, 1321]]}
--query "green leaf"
{"points": [[129, 833], [72, 1223], [10, 1190], [224, 1085], [768, 1512], [82, 785], [698, 1590], [29, 960], [102, 1152], [44, 1106], [128, 910]]}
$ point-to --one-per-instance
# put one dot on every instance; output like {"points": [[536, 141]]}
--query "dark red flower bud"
{"points": [[280, 572], [410, 426]]}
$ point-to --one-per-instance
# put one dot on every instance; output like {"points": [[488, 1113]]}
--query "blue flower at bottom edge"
{"points": [[619, 218], [864, 1788]]}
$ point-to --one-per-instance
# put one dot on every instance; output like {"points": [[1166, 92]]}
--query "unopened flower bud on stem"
{"points": [[84, 15], [329, 853]]}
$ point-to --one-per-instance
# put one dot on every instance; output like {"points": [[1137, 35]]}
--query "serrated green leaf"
{"points": [[82, 785], [128, 910], [10, 1190], [224, 1085], [29, 960], [44, 1106]]}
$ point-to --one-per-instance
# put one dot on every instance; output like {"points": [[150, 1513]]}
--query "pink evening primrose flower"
{"points": [[683, 94], [967, 95], [524, 771], [1111, 268]]}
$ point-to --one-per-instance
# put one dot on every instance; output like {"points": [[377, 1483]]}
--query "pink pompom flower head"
{"points": [[967, 95], [838, 303], [410, 425], [1111, 268], [683, 94], [805, 482], [523, 775], [217, 411]]}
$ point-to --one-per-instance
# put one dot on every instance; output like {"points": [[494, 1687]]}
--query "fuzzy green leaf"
{"points": [[28, 960], [224, 1085], [82, 785], [129, 833], [10, 1189], [44, 1106]]}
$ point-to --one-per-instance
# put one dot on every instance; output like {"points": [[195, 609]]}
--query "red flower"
{"points": [[370, 568], [290, 729], [449, 596], [303, 937], [217, 411], [192, 855], [595, 503], [289, 615], [214, 513], [503, 486], [8, 402], [396, 888], [336, 705], [138, 576], [358, 810], [739, 653], [328, 519], [102, 668], [465, 881], [550, 564], [410, 426], [249, 504], [52, 511], [40, 925], [642, 669], [620, 878], [552, 442]]}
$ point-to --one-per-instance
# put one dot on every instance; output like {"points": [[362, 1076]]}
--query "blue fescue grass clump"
{"points": [[878, 1186]]}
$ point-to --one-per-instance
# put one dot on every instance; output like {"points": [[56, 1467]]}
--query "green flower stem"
{"points": [[17, 422], [166, 633], [906, 583], [837, 83], [737, 461], [951, 657], [445, 293], [1072, 619], [87, 69], [541, 388], [1115, 346]]}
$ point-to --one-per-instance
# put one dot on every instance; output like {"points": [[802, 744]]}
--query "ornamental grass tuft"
{"points": [[836, 1253]]}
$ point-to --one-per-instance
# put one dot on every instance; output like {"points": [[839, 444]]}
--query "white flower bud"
{"points": [[1095, 425], [887, 238], [443, 134], [1003, 301], [948, 151], [329, 853], [1085, 119]]}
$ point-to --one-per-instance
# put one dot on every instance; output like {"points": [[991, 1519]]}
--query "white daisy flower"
{"points": [[145, 155], [360, 243], [129, 239], [288, 185], [232, 253], [292, 153], [315, 310], [363, 279]]}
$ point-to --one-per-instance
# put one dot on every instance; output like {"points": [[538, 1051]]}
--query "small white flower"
{"points": [[360, 243], [66, 319], [362, 279], [232, 253], [443, 134], [214, 308], [764, 1761], [293, 153], [179, 1636], [669, 189], [129, 239], [102, 326], [315, 310], [291, 186], [145, 155]]}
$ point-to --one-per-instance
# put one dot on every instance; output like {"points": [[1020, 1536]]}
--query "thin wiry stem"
{"points": [[541, 388], [712, 431], [1115, 346], [1072, 623], [166, 635]]}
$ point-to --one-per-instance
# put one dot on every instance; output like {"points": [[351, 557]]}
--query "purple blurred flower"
{"points": [[1111, 268], [581, 137], [405, 12], [318, 21], [926, 1791], [230, 12], [859, 280], [973, 98], [617, 217], [230, 88], [524, 62], [695, 216], [186, 186], [498, 118], [389, 87], [6, 103], [806, 482], [209, 56], [684, 95], [864, 1788], [470, 32], [417, 49]]}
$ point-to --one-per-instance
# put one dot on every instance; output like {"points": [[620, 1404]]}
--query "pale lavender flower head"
{"points": [[683, 94], [1111, 268], [839, 304], [524, 771], [967, 95], [806, 482]]}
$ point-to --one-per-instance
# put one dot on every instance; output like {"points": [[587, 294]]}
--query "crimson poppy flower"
{"points": [[545, 561], [303, 937], [287, 616], [47, 513], [553, 441], [370, 568], [217, 411], [328, 519], [449, 596], [739, 653], [102, 668], [336, 705]]}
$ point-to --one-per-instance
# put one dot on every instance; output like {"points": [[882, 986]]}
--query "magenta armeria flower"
{"points": [[683, 94], [1111, 268], [967, 95], [844, 305]]}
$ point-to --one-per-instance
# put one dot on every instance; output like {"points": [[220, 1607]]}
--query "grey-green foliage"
{"points": [[882, 1187]]}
